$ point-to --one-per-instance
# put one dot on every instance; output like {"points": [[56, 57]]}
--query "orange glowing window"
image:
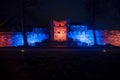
{"points": [[60, 30]]}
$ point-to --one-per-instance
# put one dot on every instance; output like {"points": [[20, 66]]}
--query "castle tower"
{"points": [[59, 30]]}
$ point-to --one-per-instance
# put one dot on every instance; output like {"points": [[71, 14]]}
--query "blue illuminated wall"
{"points": [[9, 39], [100, 37], [17, 39], [37, 35], [81, 35]]}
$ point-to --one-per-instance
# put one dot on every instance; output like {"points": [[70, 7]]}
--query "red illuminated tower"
{"points": [[59, 30]]}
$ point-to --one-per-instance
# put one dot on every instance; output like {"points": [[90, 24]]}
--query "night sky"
{"points": [[39, 13]]}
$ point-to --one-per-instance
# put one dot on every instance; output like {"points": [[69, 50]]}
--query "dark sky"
{"points": [[40, 12]]}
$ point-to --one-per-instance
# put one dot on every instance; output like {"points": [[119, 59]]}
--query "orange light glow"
{"points": [[112, 37], [60, 30]]}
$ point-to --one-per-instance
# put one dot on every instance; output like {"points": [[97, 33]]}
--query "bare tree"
{"points": [[92, 8], [25, 5]]}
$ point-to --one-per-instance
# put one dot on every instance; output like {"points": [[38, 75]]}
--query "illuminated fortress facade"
{"points": [[62, 31]]}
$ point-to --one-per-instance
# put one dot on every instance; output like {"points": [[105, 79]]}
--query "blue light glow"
{"points": [[81, 35], [37, 35], [100, 37], [17, 39]]}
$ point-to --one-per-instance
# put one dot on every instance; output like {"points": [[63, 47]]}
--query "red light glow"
{"points": [[112, 37], [5, 39], [60, 30]]}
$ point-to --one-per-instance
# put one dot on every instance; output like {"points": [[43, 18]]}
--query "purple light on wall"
{"points": [[8, 39]]}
